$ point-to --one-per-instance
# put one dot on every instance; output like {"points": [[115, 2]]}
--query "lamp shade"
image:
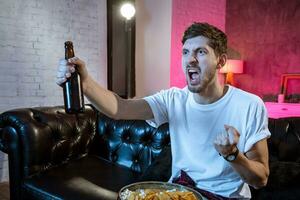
{"points": [[233, 66]]}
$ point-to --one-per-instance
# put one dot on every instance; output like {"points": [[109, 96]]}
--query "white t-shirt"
{"points": [[193, 128]]}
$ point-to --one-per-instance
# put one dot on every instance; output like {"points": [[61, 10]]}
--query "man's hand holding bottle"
{"points": [[66, 67]]}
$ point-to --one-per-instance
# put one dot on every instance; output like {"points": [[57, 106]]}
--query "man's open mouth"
{"points": [[194, 76]]}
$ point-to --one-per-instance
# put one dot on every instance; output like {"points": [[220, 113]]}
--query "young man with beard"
{"points": [[218, 133]]}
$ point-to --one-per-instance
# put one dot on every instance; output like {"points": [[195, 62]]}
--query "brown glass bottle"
{"points": [[72, 88]]}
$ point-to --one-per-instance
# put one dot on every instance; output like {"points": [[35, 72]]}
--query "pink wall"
{"points": [[185, 12], [266, 34]]}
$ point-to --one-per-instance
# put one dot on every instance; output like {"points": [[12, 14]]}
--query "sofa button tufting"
{"points": [[114, 157], [126, 138]]}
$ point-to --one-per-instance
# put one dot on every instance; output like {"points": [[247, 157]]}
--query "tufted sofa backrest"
{"points": [[40, 138], [43, 137], [130, 143]]}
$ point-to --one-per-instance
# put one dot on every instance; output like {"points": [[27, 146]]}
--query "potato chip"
{"points": [[158, 194]]}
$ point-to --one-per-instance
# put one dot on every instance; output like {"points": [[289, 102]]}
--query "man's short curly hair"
{"points": [[217, 38]]}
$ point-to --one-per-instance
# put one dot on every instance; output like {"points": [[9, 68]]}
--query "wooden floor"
{"points": [[4, 191]]}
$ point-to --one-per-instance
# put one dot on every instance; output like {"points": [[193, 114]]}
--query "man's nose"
{"points": [[192, 59]]}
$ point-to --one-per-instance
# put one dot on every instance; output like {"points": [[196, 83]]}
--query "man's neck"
{"points": [[211, 94]]}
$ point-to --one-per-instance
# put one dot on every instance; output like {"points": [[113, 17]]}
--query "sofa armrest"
{"points": [[39, 138], [9, 143]]}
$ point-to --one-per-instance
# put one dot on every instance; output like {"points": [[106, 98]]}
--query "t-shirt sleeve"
{"points": [[258, 126], [158, 105]]}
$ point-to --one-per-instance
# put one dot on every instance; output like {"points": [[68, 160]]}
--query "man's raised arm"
{"points": [[106, 101]]}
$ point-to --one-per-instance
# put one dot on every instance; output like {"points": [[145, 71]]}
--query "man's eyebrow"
{"points": [[201, 48], [197, 49]]}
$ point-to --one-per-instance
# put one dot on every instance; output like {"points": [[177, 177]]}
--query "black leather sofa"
{"points": [[53, 155]]}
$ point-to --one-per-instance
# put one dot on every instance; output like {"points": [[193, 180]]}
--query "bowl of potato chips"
{"points": [[156, 190]]}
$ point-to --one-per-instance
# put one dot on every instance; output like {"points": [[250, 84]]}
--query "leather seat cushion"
{"points": [[163, 162], [87, 178], [283, 175]]}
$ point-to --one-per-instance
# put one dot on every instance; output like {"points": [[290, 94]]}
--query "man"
{"points": [[218, 133]]}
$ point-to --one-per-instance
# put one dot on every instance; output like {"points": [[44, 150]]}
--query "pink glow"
{"points": [[185, 13], [261, 41], [234, 66], [282, 110]]}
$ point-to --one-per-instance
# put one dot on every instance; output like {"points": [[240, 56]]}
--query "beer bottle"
{"points": [[72, 88]]}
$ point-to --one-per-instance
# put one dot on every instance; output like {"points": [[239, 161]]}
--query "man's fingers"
{"points": [[72, 60], [64, 71], [68, 75], [63, 68], [72, 69], [217, 140], [231, 129], [62, 76], [75, 61], [66, 68], [60, 81], [222, 139], [233, 134], [227, 127]]}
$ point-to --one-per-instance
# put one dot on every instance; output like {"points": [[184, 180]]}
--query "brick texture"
{"points": [[32, 36]]}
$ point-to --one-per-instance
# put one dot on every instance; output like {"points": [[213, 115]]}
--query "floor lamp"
{"points": [[128, 11]]}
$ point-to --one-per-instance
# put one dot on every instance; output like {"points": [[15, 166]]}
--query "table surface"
{"points": [[282, 110]]}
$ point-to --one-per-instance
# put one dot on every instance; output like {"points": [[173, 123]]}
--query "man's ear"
{"points": [[222, 61]]}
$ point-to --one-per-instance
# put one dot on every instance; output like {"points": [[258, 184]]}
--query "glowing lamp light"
{"points": [[127, 10], [232, 67]]}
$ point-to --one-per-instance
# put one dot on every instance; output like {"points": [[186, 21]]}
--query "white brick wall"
{"points": [[32, 36]]}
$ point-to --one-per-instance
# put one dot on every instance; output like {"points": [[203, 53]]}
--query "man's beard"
{"points": [[196, 89], [203, 84]]}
